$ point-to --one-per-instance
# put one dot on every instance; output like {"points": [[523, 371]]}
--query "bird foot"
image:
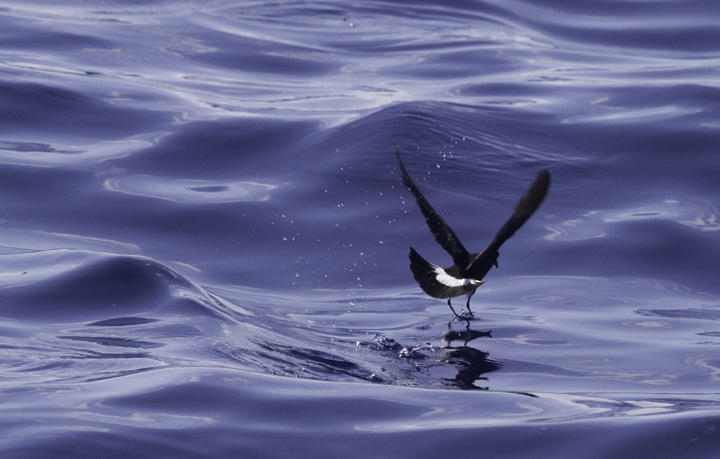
{"points": [[467, 317]]}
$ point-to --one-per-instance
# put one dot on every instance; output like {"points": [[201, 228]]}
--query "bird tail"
{"points": [[434, 281]]}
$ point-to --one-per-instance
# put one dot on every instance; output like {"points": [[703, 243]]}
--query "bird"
{"points": [[468, 269]]}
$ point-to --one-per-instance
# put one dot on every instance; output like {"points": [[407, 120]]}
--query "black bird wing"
{"points": [[523, 210], [444, 235]]}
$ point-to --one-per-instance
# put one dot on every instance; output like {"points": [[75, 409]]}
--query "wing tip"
{"points": [[543, 177], [534, 196]]}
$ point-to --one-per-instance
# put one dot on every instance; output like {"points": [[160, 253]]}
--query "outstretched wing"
{"points": [[523, 210], [444, 235]]}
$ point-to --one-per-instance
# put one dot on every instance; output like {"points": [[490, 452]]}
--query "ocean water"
{"points": [[204, 235]]}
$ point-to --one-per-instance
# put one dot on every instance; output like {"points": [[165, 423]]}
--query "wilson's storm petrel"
{"points": [[468, 270]]}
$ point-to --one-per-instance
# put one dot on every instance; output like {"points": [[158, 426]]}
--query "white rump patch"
{"points": [[450, 281]]}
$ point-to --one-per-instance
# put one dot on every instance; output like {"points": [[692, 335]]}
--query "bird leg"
{"points": [[467, 306], [451, 308]]}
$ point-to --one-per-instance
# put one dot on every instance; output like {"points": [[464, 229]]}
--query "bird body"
{"points": [[468, 270]]}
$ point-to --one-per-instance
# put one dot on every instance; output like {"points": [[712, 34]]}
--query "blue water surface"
{"points": [[204, 235]]}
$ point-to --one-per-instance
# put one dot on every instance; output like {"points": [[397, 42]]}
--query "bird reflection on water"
{"points": [[470, 364]]}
